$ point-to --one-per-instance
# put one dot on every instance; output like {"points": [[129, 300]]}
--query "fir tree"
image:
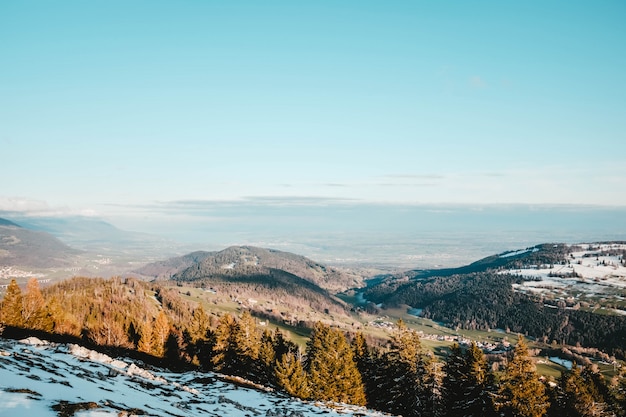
{"points": [[466, 383], [160, 334], [246, 343], [145, 338], [291, 376], [224, 358], [333, 373], [619, 392], [200, 326], [267, 359], [34, 313], [521, 393], [577, 396], [11, 309], [407, 381]]}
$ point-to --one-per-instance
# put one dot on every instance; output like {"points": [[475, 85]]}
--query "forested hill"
{"points": [[166, 269], [553, 292], [249, 260], [243, 274]]}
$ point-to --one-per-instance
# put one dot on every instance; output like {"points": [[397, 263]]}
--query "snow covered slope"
{"points": [[42, 379], [593, 270]]}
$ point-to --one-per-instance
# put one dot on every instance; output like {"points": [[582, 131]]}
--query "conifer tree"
{"points": [[282, 345], [145, 338], [11, 310], [198, 336], [246, 342], [577, 394], [466, 383], [224, 357], [34, 312], [619, 392], [160, 334], [360, 350], [403, 373], [454, 382], [267, 358], [333, 373], [199, 326], [521, 393], [291, 376]]}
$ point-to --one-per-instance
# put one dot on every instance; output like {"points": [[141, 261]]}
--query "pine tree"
{"points": [[402, 376], [267, 359], [291, 376], [145, 338], [578, 395], [160, 334], [333, 373], [34, 312], [200, 325], [11, 309], [224, 358], [619, 392], [521, 393], [466, 383], [246, 342]]}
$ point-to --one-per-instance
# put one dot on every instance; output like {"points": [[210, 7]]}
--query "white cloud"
{"points": [[38, 208]]}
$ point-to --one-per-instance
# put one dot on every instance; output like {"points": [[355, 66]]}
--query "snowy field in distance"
{"points": [[592, 270]]}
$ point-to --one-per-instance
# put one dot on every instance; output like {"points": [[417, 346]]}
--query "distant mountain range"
{"points": [[97, 235], [20, 246]]}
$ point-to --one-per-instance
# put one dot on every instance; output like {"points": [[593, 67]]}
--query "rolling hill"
{"points": [[555, 292], [273, 283], [249, 260]]}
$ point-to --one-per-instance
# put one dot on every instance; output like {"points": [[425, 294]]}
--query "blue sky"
{"points": [[123, 108]]}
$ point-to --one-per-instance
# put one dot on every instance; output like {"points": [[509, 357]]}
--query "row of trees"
{"points": [[398, 376]]}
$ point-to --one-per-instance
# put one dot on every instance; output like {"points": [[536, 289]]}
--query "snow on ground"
{"points": [[37, 376], [588, 271], [518, 252]]}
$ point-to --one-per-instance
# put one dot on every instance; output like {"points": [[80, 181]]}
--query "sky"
{"points": [[117, 108]]}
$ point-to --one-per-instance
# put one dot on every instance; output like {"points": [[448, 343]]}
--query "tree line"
{"points": [[398, 376]]}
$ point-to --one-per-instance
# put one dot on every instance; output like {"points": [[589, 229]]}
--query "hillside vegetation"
{"points": [[397, 376], [246, 260], [483, 296]]}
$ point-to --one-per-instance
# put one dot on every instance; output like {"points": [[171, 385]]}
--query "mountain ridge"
{"points": [[20, 246]]}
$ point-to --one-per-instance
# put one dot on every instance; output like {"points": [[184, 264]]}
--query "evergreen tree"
{"points": [[267, 359], [467, 382], [619, 392], [330, 363], [282, 345], [200, 326], [406, 380], [145, 338], [224, 358], [521, 393], [11, 309], [577, 394], [198, 335], [246, 342], [34, 314], [291, 376], [160, 334]]}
